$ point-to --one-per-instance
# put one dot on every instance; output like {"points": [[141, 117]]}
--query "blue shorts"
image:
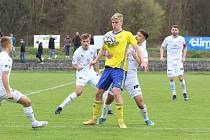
{"points": [[114, 76]]}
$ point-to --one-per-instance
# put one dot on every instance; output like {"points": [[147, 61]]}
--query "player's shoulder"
{"points": [[93, 47], [127, 32], [77, 51], [169, 37], [5, 57], [181, 37]]}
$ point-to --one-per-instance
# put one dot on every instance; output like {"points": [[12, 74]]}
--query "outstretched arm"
{"points": [[140, 56], [100, 53]]}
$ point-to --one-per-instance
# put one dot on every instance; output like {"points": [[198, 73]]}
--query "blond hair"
{"points": [[117, 16], [5, 42]]}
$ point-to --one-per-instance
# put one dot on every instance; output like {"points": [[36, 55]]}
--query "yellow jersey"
{"points": [[119, 50]]}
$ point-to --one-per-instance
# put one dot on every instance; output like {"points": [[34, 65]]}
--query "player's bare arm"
{"points": [[5, 81], [100, 53], [140, 55], [77, 67], [184, 54], [162, 54], [97, 68]]}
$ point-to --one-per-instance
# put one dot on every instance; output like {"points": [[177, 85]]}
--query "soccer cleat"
{"points": [[110, 112], [90, 122], [185, 97], [121, 124], [39, 124], [149, 123], [174, 97], [101, 120], [58, 110]]}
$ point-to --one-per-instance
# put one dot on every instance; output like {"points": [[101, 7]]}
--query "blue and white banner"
{"points": [[197, 43]]}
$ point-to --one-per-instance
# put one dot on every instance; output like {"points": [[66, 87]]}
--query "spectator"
{"points": [[13, 44], [67, 45], [91, 40], [40, 52], [51, 47], [22, 50], [76, 41], [1, 35]]}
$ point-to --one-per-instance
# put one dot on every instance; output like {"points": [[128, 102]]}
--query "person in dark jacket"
{"points": [[76, 41], [67, 45], [40, 52], [51, 47], [22, 50]]}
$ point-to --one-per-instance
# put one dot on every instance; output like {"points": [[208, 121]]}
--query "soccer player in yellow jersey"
{"points": [[115, 69]]}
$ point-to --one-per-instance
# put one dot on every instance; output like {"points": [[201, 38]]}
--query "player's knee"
{"points": [[79, 92], [181, 78], [25, 101], [110, 99], [116, 91], [171, 80]]}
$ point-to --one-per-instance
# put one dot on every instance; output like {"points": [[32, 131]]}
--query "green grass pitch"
{"points": [[174, 120]]}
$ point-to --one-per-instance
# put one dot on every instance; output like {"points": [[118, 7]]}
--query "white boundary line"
{"points": [[112, 127], [46, 89], [51, 88]]}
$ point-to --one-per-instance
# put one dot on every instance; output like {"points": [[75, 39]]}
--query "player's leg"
{"points": [[183, 85], [72, 96], [171, 74], [106, 108], [118, 76], [103, 85], [27, 108], [143, 109], [80, 83], [105, 96], [94, 81], [180, 73], [133, 89], [96, 108]]}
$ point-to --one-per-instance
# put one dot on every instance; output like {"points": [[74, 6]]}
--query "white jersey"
{"points": [[5, 65], [144, 51], [83, 58], [174, 46], [132, 85], [132, 64]]}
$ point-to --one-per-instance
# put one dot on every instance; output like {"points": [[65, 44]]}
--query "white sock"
{"points": [[173, 87], [105, 95], [105, 111], [70, 98], [28, 111], [144, 113], [183, 85]]}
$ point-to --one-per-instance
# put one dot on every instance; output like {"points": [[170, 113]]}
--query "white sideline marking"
{"points": [[42, 90], [46, 89], [108, 127]]}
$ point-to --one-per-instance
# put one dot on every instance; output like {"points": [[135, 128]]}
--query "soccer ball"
{"points": [[109, 39]]}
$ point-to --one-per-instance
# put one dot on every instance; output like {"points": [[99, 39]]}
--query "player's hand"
{"points": [[92, 63], [9, 96], [183, 60], [79, 68], [144, 66], [162, 59], [109, 55]]}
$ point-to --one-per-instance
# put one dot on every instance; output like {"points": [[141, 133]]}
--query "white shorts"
{"points": [[132, 85], [175, 69], [16, 95], [90, 77]]}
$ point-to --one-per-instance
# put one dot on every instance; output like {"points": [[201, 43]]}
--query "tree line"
{"points": [[28, 17]]}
